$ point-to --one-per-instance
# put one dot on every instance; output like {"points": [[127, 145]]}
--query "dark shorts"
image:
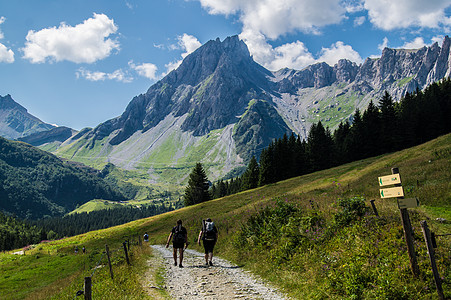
{"points": [[208, 246], [178, 245]]}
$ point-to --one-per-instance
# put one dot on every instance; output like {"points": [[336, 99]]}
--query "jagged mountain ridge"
{"points": [[16, 122], [202, 110]]}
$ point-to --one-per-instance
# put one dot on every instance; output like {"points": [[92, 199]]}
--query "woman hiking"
{"points": [[209, 236]]}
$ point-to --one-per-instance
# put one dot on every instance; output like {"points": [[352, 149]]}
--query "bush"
{"points": [[353, 208]]}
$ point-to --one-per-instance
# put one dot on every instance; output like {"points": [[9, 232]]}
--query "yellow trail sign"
{"points": [[389, 179], [392, 192]]}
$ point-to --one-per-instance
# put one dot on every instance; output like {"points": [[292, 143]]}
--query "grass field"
{"points": [[315, 259]]}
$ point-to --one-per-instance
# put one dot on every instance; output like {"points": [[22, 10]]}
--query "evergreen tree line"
{"points": [[79, 223], [386, 127], [16, 233]]}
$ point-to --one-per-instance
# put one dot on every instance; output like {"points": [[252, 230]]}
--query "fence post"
{"points": [[126, 253], [87, 291], [430, 248], [139, 240], [407, 226], [109, 260], [374, 208]]}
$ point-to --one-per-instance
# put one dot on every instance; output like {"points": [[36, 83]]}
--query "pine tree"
{"points": [[250, 176], [197, 189], [389, 129], [319, 143]]}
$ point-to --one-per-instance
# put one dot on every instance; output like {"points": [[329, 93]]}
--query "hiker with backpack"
{"points": [[209, 236], [146, 237], [179, 237]]}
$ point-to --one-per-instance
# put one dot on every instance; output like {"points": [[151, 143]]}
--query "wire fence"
{"points": [[86, 288]]}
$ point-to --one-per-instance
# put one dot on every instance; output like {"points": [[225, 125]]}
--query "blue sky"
{"points": [[78, 63]]}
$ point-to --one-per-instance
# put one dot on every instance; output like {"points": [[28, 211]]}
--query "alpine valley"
{"points": [[220, 107]]}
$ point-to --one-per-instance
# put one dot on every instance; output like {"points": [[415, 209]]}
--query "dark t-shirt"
{"points": [[175, 232]]}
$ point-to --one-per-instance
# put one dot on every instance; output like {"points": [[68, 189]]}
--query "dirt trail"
{"points": [[223, 280]]}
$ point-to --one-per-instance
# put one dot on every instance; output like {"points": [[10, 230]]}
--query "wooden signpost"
{"points": [[403, 204]]}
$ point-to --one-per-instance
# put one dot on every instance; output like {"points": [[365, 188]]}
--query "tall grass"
{"points": [[360, 257]]}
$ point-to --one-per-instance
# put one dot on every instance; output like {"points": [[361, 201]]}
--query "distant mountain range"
{"points": [[220, 107], [16, 122]]}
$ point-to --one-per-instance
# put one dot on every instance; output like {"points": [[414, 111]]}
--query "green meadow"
{"points": [[314, 237]]}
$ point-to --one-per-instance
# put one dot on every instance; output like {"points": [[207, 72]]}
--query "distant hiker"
{"points": [[146, 237], [76, 249], [179, 237], [83, 250], [209, 235]]}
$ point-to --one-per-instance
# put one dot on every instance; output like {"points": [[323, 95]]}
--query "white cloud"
{"points": [[6, 55], [84, 43], [147, 70], [274, 18], [359, 21], [2, 20], [389, 14], [117, 75], [339, 51], [417, 43], [187, 43], [270, 19], [383, 45], [293, 55], [438, 39]]}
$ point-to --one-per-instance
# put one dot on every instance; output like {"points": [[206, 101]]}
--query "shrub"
{"points": [[353, 208]]}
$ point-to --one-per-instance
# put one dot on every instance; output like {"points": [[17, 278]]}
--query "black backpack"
{"points": [[179, 235], [209, 232]]}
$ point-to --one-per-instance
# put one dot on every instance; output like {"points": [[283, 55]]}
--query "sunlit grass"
{"points": [[425, 174]]}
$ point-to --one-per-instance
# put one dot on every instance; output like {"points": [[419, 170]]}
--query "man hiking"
{"points": [[179, 237], [146, 237], [209, 236]]}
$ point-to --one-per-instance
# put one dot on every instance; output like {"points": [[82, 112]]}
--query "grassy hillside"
{"points": [[305, 242], [35, 183]]}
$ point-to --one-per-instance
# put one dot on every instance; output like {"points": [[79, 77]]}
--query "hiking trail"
{"points": [[195, 280]]}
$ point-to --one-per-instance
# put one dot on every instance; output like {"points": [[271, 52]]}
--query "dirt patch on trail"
{"points": [[223, 280]]}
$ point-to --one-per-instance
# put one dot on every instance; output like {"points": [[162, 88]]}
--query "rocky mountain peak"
{"points": [[7, 102], [206, 59]]}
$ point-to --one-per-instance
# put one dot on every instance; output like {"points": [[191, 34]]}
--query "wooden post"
{"points": [[109, 260], [126, 253], [128, 244], [407, 226], [374, 208], [430, 248], [87, 291], [139, 240]]}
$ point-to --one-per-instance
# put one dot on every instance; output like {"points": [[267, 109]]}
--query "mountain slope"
{"points": [[366, 259], [15, 121], [35, 183], [220, 107]]}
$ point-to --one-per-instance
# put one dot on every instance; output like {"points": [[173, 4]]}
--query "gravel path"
{"points": [[221, 281]]}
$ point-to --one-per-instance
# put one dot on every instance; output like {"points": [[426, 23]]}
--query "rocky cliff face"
{"points": [[15, 121], [221, 107], [212, 85]]}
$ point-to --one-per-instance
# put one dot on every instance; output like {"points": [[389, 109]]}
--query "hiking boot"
{"points": [[180, 266], [210, 263], [175, 264]]}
